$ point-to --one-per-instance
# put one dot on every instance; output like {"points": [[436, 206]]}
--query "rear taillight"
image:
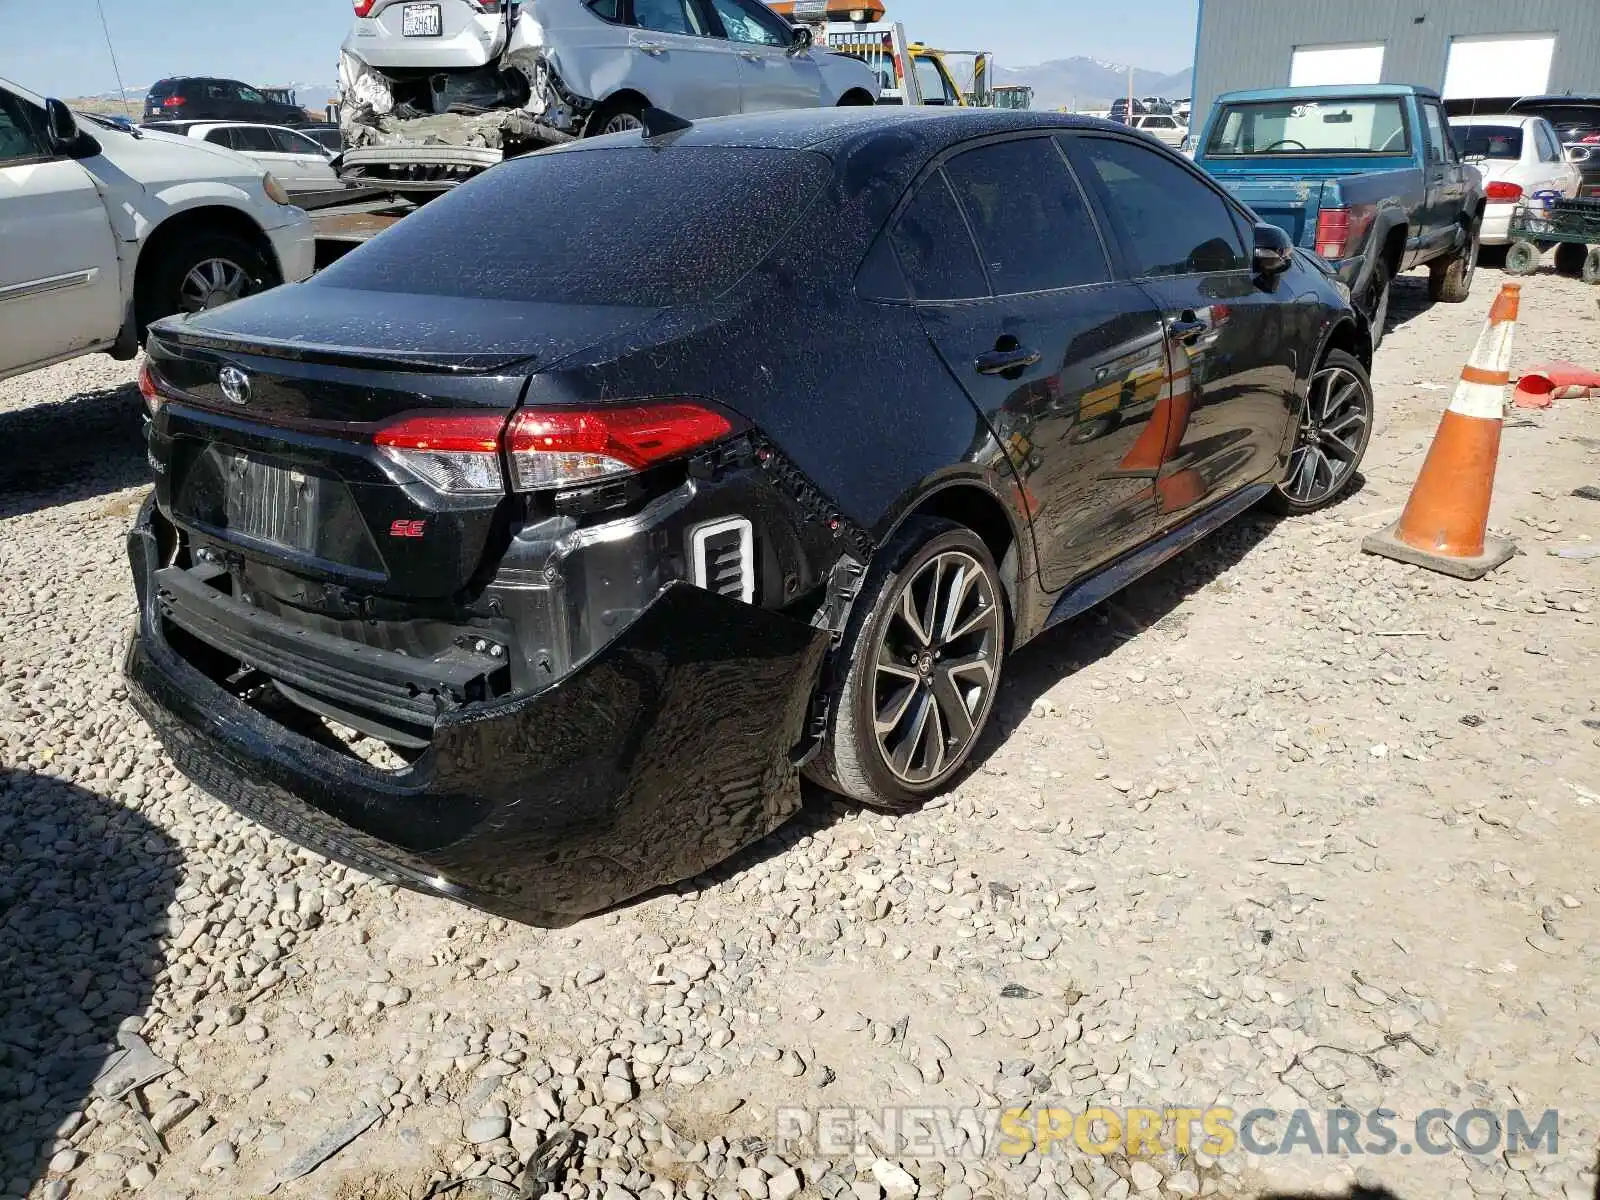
{"points": [[457, 453], [1500, 190], [461, 453], [558, 448], [1340, 231], [150, 388], [1591, 139], [173, 102], [363, 7]]}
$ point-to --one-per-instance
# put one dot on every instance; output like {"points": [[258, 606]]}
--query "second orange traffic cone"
{"points": [[1445, 523]]}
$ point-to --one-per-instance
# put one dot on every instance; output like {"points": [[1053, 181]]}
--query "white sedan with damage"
{"points": [[432, 89]]}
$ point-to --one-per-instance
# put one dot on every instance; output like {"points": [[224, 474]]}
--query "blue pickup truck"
{"points": [[1365, 176]]}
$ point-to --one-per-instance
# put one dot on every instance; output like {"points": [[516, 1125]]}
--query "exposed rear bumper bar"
{"points": [[665, 752]]}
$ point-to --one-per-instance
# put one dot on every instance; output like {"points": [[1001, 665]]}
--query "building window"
{"points": [[1346, 64], [1503, 64]]}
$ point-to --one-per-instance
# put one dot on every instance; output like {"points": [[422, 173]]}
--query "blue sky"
{"points": [[269, 42]]}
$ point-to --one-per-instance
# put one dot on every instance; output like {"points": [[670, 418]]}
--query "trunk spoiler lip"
{"points": [[323, 354]]}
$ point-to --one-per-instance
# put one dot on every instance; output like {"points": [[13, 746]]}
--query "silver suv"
{"points": [[581, 67]]}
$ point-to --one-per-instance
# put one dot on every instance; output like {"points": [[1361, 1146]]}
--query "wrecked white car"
{"points": [[433, 91]]}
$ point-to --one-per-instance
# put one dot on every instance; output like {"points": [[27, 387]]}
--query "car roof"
{"points": [[838, 131], [1331, 92]]}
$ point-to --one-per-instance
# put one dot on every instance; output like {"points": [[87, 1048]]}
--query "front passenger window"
{"points": [[668, 16], [1171, 223], [744, 24]]}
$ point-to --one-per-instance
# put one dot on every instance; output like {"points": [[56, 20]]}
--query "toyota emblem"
{"points": [[235, 384]]}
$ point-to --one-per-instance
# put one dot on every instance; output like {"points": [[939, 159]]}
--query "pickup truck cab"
{"points": [[105, 228], [1367, 177]]}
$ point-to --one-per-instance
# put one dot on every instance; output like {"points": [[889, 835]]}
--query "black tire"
{"points": [[1450, 282], [1380, 289], [1591, 266], [1570, 257], [854, 761], [1284, 499], [165, 288], [1522, 258], [615, 116]]}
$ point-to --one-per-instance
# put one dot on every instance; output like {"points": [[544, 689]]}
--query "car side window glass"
{"points": [[286, 142], [1171, 222], [250, 95], [221, 137], [1031, 222], [18, 141], [1437, 141], [744, 22], [255, 141], [935, 250], [1550, 148], [669, 16], [606, 10]]}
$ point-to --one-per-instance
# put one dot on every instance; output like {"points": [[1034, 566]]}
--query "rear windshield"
{"points": [[1319, 127], [163, 88], [627, 225], [1488, 141], [1573, 122]]}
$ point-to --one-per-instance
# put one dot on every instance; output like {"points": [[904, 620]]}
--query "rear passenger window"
{"points": [[1170, 222], [935, 251], [221, 137], [1028, 216]]}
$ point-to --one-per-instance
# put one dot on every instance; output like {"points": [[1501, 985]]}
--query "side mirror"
{"points": [[1273, 250], [803, 39], [61, 126]]}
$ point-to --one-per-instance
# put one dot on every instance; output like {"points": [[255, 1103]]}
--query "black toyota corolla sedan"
{"points": [[533, 552]]}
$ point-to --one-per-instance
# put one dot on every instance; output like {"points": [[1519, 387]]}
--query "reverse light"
{"points": [[1500, 190], [1341, 230], [458, 453], [461, 453], [560, 448]]}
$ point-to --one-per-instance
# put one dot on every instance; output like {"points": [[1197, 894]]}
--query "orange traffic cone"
{"points": [[1444, 524], [1543, 386]]}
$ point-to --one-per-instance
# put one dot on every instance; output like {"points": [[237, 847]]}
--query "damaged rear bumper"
{"points": [[667, 751]]}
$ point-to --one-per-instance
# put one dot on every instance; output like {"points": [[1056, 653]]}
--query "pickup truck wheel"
{"points": [[1379, 290], [1591, 266], [1522, 259], [1450, 282], [1328, 447], [202, 272], [918, 668]]}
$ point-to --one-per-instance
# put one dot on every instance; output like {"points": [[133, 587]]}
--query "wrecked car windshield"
{"points": [[1310, 127], [623, 225]]}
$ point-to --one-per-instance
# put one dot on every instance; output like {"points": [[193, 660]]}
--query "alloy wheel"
{"points": [[935, 668], [1331, 437], [212, 282], [622, 123]]}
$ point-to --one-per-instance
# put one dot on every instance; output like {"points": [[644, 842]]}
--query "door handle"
{"points": [[749, 56], [1002, 362], [1187, 328], [649, 47]]}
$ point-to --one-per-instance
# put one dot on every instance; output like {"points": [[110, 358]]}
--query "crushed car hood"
{"points": [[318, 322]]}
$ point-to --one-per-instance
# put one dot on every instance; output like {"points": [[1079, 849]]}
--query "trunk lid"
{"points": [[266, 443], [1290, 204]]}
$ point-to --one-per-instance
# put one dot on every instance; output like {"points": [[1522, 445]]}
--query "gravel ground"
{"points": [[1280, 826]]}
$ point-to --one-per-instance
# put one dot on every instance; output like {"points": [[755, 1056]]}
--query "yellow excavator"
{"points": [[860, 28]]}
